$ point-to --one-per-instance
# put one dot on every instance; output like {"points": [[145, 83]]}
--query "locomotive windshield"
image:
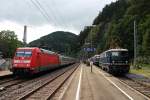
{"points": [[119, 54], [122, 55], [23, 53]]}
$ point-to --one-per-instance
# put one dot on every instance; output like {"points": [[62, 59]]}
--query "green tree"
{"points": [[8, 43], [116, 26], [146, 43]]}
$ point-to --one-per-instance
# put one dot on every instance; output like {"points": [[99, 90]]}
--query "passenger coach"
{"points": [[115, 61], [95, 60]]}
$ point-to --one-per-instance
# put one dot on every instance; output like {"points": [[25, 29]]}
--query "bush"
{"points": [[143, 60]]}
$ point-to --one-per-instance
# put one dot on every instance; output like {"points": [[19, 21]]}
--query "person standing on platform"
{"points": [[91, 65]]}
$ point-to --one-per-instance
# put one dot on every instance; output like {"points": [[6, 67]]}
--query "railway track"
{"points": [[46, 91], [39, 88], [6, 80], [142, 86], [6, 77], [9, 83]]}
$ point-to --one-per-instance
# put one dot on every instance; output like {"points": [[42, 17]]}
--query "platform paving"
{"points": [[98, 85], [5, 72]]}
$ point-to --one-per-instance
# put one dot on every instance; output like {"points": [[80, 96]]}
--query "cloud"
{"points": [[69, 15], [13, 26], [33, 32]]}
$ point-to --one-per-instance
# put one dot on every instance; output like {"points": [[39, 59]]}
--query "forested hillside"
{"points": [[61, 42], [114, 27]]}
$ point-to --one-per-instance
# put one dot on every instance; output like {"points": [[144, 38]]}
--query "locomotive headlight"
{"points": [[15, 64], [26, 61], [16, 61], [28, 65], [113, 62]]}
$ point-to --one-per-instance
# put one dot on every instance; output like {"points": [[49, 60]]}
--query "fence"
{"points": [[6, 65]]}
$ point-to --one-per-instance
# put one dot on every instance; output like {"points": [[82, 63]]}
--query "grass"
{"points": [[145, 70]]}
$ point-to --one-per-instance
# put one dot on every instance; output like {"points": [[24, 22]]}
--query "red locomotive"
{"points": [[35, 60]]}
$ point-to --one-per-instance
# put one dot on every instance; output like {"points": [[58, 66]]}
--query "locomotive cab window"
{"points": [[119, 53], [23, 53], [27, 53], [115, 54]]}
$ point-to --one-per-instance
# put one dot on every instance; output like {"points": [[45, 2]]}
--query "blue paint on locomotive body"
{"points": [[115, 61]]}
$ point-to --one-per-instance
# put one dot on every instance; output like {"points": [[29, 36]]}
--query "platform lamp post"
{"points": [[135, 38], [85, 49], [92, 48], [92, 43], [135, 45], [135, 41]]}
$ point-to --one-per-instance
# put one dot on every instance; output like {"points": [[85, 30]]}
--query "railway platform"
{"points": [[98, 85], [5, 73]]}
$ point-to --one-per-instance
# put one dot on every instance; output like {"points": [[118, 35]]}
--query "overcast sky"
{"points": [[66, 15]]}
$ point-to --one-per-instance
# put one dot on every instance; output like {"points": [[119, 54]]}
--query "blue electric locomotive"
{"points": [[115, 61]]}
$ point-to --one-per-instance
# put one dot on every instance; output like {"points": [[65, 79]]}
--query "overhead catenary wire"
{"points": [[56, 15], [43, 11], [63, 18], [56, 18], [53, 18], [59, 14]]}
